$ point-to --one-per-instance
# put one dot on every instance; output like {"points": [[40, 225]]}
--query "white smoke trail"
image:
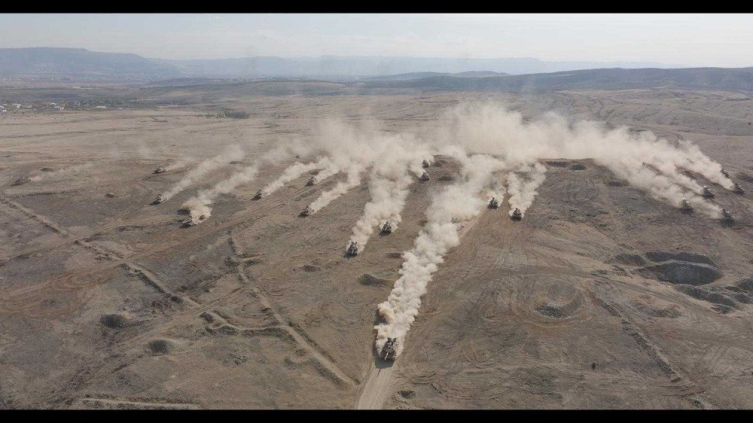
{"points": [[661, 187], [198, 206], [450, 210], [389, 184], [179, 164], [231, 153], [698, 162], [354, 179], [386, 204], [61, 173], [496, 190], [294, 172], [522, 193]]}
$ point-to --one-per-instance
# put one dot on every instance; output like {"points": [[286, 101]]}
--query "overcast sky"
{"points": [[692, 40]]}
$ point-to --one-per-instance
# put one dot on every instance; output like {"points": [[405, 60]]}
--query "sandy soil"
{"points": [[106, 302]]}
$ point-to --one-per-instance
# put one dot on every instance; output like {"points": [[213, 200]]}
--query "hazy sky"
{"points": [[693, 40]]}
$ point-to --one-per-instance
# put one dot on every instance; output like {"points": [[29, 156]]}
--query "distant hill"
{"points": [[69, 62], [81, 63], [419, 75], [738, 79], [345, 68]]}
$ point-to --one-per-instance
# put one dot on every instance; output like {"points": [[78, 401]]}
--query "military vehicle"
{"points": [[191, 221], [724, 172], [685, 206], [311, 181], [706, 193], [726, 215], [738, 189], [20, 181], [516, 214], [388, 350], [158, 200], [159, 170], [387, 227], [424, 176], [425, 164], [258, 195], [305, 212], [352, 248], [493, 203]]}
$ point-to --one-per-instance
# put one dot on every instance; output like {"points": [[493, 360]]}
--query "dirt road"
{"points": [[377, 387]]}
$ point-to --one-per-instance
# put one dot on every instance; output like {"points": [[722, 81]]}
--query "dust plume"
{"points": [[294, 172], [198, 206], [522, 192], [449, 211], [230, 154], [353, 180]]}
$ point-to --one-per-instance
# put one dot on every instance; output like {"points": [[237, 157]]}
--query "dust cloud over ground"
{"points": [[602, 296]]}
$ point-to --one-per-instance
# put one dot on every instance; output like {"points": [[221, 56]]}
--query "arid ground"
{"points": [[107, 302]]}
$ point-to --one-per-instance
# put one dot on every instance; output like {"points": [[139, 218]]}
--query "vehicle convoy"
{"points": [[516, 214], [387, 227], [738, 189], [160, 170], [424, 176], [388, 350], [305, 212], [311, 181], [685, 206], [493, 203], [353, 248], [706, 193], [258, 195]]}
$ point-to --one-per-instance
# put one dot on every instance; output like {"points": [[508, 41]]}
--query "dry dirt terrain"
{"points": [[107, 302]]}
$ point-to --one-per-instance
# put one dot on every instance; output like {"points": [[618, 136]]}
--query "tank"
{"points": [[706, 193], [493, 203], [726, 215], [190, 221], [388, 350], [305, 212], [424, 176], [425, 163], [160, 170], [258, 195], [387, 227], [516, 214], [738, 189], [685, 206], [311, 181], [352, 248], [20, 181], [158, 200]]}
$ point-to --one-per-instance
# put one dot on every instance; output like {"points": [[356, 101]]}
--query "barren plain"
{"points": [[107, 302]]}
